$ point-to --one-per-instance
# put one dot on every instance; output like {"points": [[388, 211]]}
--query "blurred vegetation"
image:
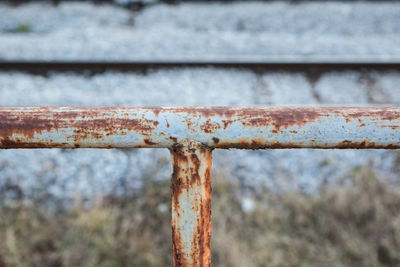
{"points": [[22, 27], [353, 224]]}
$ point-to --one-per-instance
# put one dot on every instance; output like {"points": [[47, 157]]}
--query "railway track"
{"points": [[95, 67]]}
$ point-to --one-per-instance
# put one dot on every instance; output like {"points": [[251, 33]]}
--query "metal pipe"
{"points": [[213, 127], [191, 205], [191, 134]]}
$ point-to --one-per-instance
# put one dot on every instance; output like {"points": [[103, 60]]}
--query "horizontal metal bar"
{"points": [[43, 67], [213, 127]]}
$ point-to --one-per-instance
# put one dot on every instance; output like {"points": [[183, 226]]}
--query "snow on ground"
{"points": [[91, 171], [355, 30]]}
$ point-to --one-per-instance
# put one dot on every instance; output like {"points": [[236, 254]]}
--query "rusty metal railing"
{"points": [[191, 134]]}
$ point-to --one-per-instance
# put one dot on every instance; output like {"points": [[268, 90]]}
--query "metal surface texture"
{"points": [[191, 133], [212, 127], [191, 204]]}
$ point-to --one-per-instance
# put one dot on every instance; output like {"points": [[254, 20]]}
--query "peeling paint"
{"points": [[191, 133], [214, 127], [191, 205]]}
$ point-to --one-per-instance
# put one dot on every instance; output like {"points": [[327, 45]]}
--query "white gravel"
{"points": [[89, 172], [277, 30], [259, 31]]}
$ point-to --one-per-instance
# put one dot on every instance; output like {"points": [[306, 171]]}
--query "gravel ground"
{"points": [[278, 30], [90, 172]]}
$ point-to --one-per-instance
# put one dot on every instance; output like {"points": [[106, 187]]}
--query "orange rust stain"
{"points": [[177, 245], [284, 117], [93, 123], [278, 145], [243, 143], [346, 144], [205, 112], [156, 110], [98, 128], [227, 123], [209, 127], [250, 116], [24, 125], [195, 175], [191, 174], [8, 143], [189, 123], [178, 160], [366, 143], [382, 113], [100, 122], [174, 139], [149, 142], [202, 241], [255, 117], [393, 127]]}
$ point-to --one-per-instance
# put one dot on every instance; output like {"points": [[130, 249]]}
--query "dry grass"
{"points": [[357, 224]]}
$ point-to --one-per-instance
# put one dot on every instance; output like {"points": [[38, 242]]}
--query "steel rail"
{"points": [[137, 5], [93, 67], [191, 133]]}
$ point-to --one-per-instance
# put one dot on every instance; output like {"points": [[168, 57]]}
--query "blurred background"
{"points": [[92, 207]]}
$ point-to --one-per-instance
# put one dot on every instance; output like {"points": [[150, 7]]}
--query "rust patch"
{"points": [[366, 143], [8, 143], [205, 112], [174, 139], [100, 128], [284, 117], [381, 113], [393, 127], [149, 142], [191, 176], [93, 123], [346, 144], [257, 117], [96, 123], [209, 127], [249, 116], [178, 259], [156, 110], [178, 160], [195, 175]]}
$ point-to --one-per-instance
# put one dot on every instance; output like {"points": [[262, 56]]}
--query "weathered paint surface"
{"points": [[191, 133], [213, 127], [191, 204]]}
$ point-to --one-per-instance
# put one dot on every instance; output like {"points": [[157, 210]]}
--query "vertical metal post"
{"points": [[191, 205]]}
